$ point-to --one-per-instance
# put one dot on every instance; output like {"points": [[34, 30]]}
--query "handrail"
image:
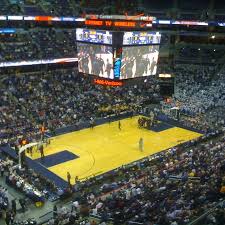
{"points": [[206, 213]]}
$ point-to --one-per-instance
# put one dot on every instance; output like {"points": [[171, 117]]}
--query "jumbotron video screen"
{"points": [[95, 59], [138, 56], [138, 61]]}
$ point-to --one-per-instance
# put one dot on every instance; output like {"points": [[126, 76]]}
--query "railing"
{"points": [[198, 221], [134, 223]]}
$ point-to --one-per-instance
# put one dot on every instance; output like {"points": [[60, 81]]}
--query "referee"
{"points": [[141, 144], [119, 125]]}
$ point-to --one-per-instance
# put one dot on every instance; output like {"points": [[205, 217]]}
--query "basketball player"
{"points": [[92, 123], [119, 125], [141, 144], [69, 179], [41, 149]]}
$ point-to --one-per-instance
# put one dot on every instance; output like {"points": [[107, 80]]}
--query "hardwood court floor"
{"points": [[106, 147]]}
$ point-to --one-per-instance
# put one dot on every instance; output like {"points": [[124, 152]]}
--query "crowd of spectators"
{"points": [[72, 215], [204, 54], [32, 44], [14, 123], [32, 185], [161, 10], [7, 7], [61, 8], [169, 188], [4, 199], [216, 215], [61, 98], [172, 187], [7, 208], [37, 7], [67, 7], [199, 94]]}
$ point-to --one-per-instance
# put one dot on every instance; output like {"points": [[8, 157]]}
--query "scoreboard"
{"points": [[94, 36], [129, 38], [117, 54], [141, 38]]}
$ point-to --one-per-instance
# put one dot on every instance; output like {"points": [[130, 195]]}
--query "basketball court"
{"points": [[91, 152]]}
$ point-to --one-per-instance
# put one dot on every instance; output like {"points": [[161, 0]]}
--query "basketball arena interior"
{"points": [[112, 112]]}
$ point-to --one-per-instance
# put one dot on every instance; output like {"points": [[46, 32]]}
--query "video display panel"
{"points": [[141, 38], [138, 61], [95, 59], [94, 36]]}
